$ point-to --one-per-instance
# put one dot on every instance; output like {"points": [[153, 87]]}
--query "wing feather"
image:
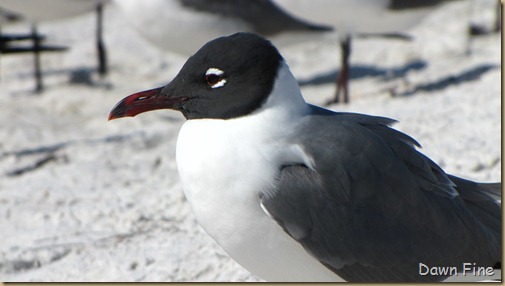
{"points": [[374, 207]]}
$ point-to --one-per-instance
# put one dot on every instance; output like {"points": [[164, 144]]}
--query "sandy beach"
{"points": [[84, 199]]}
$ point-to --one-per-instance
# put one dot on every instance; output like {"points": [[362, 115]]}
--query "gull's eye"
{"points": [[215, 78]]}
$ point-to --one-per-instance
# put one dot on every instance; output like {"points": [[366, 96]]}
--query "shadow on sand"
{"points": [[362, 71]]}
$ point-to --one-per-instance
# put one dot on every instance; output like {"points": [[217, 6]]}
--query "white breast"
{"points": [[222, 180], [225, 164]]}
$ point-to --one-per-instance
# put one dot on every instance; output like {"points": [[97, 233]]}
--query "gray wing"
{"points": [[264, 16], [374, 207], [413, 4]]}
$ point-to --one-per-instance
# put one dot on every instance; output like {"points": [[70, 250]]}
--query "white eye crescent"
{"points": [[215, 78]]}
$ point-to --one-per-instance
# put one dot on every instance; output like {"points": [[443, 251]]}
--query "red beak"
{"points": [[144, 101]]}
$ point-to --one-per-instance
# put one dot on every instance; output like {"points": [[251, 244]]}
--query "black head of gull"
{"points": [[294, 192], [228, 77]]}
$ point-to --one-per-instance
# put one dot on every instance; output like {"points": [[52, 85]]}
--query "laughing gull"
{"points": [[167, 23], [295, 192]]}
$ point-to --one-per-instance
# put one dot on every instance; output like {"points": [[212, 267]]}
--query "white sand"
{"points": [[107, 205]]}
